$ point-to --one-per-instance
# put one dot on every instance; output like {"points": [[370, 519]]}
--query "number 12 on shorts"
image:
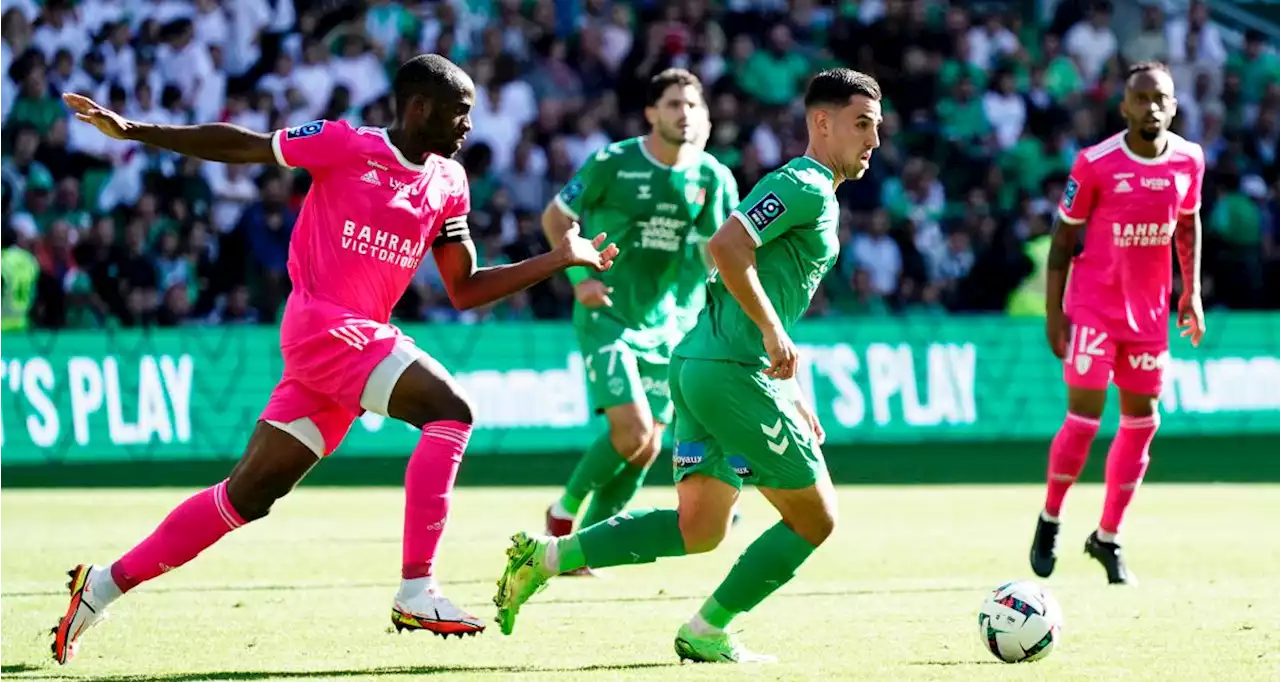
{"points": [[1086, 344]]}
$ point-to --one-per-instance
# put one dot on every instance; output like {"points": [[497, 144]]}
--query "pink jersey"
{"points": [[1123, 278], [365, 226]]}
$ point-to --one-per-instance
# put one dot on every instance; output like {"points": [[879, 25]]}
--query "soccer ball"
{"points": [[1020, 622]]}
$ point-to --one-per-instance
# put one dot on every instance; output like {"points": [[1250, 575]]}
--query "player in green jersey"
{"points": [[654, 196], [738, 414], [20, 273]]}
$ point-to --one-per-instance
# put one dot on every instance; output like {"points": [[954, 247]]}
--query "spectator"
{"points": [[984, 112]]}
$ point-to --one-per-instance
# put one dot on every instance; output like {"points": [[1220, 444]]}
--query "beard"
{"points": [[1148, 135]]}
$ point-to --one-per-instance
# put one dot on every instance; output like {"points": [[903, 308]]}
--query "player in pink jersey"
{"points": [[1130, 196], [379, 200]]}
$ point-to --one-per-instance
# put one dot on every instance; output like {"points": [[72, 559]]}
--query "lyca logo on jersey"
{"points": [[1156, 184], [1141, 234]]}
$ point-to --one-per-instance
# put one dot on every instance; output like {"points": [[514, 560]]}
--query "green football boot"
{"points": [[525, 575], [719, 648]]}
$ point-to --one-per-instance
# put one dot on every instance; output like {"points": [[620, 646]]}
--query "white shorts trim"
{"points": [[382, 380], [305, 431]]}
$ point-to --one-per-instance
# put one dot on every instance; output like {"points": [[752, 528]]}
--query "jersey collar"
{"points": [[417, 167], [645, 150]]}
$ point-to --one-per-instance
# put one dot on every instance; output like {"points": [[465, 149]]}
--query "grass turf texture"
{"points": [[305, 593]]}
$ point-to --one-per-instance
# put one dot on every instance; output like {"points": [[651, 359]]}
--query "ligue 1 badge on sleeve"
{"points": [[1069, 192], [305, 130]]}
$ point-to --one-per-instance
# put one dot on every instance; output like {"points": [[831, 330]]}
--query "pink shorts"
{"points": [[1095, 358], [332, 375]]}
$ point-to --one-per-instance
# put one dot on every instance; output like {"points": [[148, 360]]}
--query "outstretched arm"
{"points": [[220, 142], [470, 286]]}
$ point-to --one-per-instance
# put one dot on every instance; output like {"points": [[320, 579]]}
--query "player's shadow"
{"points": [[392, 671], [948, 664]]}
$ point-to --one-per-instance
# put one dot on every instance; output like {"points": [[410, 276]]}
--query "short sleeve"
{"points": [[1080, 196], [455, 227], [587, 186], [779, 202], [1191, 200], [312, 146]]}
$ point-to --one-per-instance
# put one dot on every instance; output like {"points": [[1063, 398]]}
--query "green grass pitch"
{"points": [[305, 593]]}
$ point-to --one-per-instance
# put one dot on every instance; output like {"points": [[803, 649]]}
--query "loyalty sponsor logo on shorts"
{"points": [[740, 466], [766, 211], [688, 454], [304, 130]]}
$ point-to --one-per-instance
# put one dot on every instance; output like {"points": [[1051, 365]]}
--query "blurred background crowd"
{"points": [[986, 105]]}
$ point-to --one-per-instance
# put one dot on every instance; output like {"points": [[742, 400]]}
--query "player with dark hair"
{"points": [[661, 196], [739, 414], [1132, 195], [379, 199]]}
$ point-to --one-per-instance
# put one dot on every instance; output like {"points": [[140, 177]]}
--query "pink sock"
{"points": [[428, 480], [1126, 465], [1067, 455], [192, 526]]}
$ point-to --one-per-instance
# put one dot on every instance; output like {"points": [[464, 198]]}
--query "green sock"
{"points": [[765, 566], [599, 465], [613, 497], [634, 537]]}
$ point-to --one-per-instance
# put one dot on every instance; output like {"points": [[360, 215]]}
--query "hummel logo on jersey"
{"points": [[372, 178], [1123, 186]]}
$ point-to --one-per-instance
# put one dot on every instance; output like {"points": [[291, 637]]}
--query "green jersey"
{"points": [[652, 212], [20, 272], [793, 217], [691, 285]]}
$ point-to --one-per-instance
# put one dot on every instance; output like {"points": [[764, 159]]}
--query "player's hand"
{"points": [[581, 251], [109, 122], [1191, 317], [782, 354], [811, 418], [592, 293], [1057, 328]]}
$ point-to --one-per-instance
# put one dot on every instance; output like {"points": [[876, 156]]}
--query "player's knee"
{"points": [[253, 498], [645, 456], [631, 439], [814, 529], [452, 406], [457, 407], [702, 531]]}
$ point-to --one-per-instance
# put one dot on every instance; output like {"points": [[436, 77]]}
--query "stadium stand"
{"points": [[987, 104]]}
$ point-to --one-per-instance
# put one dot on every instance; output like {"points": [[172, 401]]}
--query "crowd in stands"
{"points": [[986, 106]]}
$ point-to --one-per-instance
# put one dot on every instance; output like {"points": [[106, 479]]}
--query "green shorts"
{"points": [[732, 423], [617, 375]]}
